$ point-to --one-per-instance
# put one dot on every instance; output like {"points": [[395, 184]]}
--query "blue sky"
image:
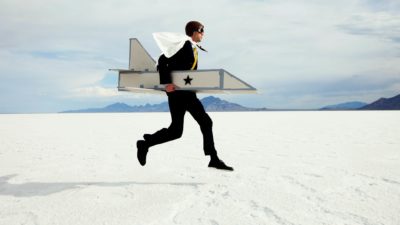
{"points": [[55, 55]]}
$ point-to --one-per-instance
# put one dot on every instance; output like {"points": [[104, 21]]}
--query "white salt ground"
{"points": [[290, 168]]}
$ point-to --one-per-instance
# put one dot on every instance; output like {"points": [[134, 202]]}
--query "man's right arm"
{"points": [[165, 74], [164, 71], [182, 60]]}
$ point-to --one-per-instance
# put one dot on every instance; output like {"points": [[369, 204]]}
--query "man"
{"points": [[182, 56]]}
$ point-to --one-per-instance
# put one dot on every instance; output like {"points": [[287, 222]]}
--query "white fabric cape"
{"points": [[170, 43]]}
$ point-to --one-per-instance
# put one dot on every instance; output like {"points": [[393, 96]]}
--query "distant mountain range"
{"points": [[384, 104], [211, 104], [345, 106], [381, 104]]}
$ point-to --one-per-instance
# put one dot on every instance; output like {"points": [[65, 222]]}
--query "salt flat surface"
{"points": [[290, 168]]}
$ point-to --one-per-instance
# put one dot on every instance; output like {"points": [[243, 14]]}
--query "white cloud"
{"points": [[95, 92], [381, 25]]}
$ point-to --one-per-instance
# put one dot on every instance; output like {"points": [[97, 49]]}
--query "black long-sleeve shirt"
{"points": [[182, 60]]}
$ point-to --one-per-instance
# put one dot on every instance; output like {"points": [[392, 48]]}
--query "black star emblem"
{"points": [[188, 80]]}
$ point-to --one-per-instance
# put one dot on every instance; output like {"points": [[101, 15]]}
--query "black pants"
{"points": [[180, 102]]}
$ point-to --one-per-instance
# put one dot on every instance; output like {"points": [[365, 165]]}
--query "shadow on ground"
{"points": [[32, 189]]}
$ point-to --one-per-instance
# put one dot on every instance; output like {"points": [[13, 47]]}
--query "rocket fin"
{"points": [[139, 58]]}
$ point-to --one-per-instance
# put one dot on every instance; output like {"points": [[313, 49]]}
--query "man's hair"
{"points": [[192, 26]]}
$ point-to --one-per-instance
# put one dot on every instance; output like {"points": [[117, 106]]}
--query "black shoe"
{"points": [[219, 164], [146, 137], [142, 150]]}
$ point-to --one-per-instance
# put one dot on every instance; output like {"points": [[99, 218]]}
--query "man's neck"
{"points": [[195, 42]]}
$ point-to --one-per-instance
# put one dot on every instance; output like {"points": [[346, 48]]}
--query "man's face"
{"points": [[198, 35]]}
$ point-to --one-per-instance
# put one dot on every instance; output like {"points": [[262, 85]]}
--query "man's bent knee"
{"points": [[175, 132]]}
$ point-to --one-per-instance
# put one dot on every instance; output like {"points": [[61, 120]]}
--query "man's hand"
{"points": [[170, 88]]}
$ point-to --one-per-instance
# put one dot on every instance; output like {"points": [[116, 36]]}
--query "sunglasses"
{"points": [[201, 30]]}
